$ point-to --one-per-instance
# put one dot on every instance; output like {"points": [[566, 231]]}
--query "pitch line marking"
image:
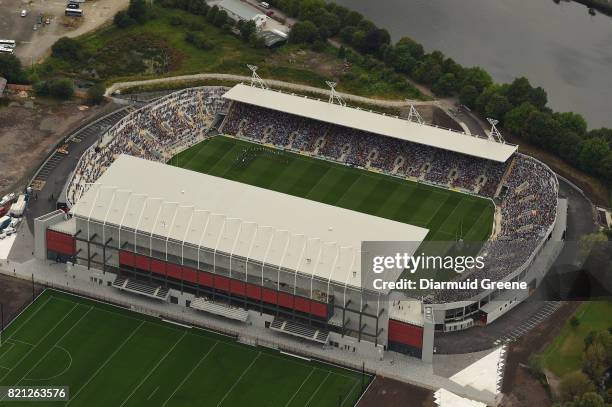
{"points": [[349, 393], [300, 388], [317, 389], [39, 342], [152, 393], [240, 378], [154, 368], [22, 342], [29, 318], [190, 373], [63, 371], [106, 362], [56, 342]]}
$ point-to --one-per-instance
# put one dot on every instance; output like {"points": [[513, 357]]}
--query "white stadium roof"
{"points": [[376, 123], [271, 227]]}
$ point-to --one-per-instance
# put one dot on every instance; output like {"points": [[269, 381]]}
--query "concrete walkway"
{"points": [[279, 84]]}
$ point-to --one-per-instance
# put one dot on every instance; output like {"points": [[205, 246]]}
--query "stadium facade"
{"points": [[282, 262]]}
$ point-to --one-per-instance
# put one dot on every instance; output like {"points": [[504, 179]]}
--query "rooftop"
{"points": [[311, 237], [372, 122]]}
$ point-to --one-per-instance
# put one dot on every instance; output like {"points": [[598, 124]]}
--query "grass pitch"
{"points": [[113, 357], [448, 215]]}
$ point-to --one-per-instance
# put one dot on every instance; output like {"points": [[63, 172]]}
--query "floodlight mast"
{"points": [[333, 95], [256, 79], [495, 134], [414, 115]]}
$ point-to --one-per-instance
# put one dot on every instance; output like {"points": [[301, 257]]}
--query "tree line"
{"points": [[521, 108]]}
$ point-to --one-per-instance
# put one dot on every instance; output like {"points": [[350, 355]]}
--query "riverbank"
{"points": [[603, 6]]}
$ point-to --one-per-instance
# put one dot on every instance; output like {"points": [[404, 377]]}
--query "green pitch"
{"points": [[448, 215], [113, 357]]}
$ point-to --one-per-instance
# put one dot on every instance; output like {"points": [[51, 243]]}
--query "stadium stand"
{"points": [[221, 309], [141, 288], [299, 330]]}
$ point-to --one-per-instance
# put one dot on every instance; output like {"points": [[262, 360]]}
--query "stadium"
{"points": [[251, 204]]}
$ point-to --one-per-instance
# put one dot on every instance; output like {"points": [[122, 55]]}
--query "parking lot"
{"points": [[34, 40]]}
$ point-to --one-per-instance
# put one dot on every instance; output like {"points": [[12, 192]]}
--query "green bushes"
{"points": [[199, 40], [59, 88]]}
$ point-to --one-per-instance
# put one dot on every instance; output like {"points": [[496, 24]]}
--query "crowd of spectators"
{"points": [[155, 132]]}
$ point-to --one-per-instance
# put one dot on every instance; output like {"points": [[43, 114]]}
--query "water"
{"points": [[557, 46]]}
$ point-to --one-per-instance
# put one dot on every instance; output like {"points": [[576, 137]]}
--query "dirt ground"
{"points": [[30, 129], [34, 45], [385, 392], [520, 389], [14, 295]]}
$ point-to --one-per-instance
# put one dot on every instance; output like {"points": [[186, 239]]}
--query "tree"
{"points": [[538, 97], [247, 28], [571, 121], [303, 32], [95, 94], [519, 91], [68, 49], [62, 88], [515, 119], [413, 48], [10, 68], [220, 18], [477, 77], [593, 152], [497, 107], [468, 96], [446, 85], [137, 10], [574, 385], [590, 399], [123, 20], [212, 13], [541, 129], [595, 361]]}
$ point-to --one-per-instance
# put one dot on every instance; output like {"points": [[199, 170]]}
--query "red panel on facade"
{"points": [[407, 334], [141, 262], [269, 296], [158, 266], [190, 275], [238, 287], [302, 304], [206, 279], [60, 242], [222, 283], [319, 309], [285, 300], [174, 270], [253, 291], [126, 258]]}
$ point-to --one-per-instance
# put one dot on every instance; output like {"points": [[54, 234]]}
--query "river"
{"points": [[557, 46]]}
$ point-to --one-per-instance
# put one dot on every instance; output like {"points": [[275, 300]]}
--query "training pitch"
{"points": [[109, 356], [449, 215]]}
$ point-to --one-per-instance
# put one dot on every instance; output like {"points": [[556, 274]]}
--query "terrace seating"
{"points": [[142, 288], [299, 330], [221, 309]]}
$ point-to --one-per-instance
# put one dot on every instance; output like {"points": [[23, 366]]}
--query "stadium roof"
{"points": [[377, 123], [271, 227]]}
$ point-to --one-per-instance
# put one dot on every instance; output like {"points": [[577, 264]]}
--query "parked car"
{"points": [[24, 13], [73, 6], [270, 13], [264, 5], [35, 27]]}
